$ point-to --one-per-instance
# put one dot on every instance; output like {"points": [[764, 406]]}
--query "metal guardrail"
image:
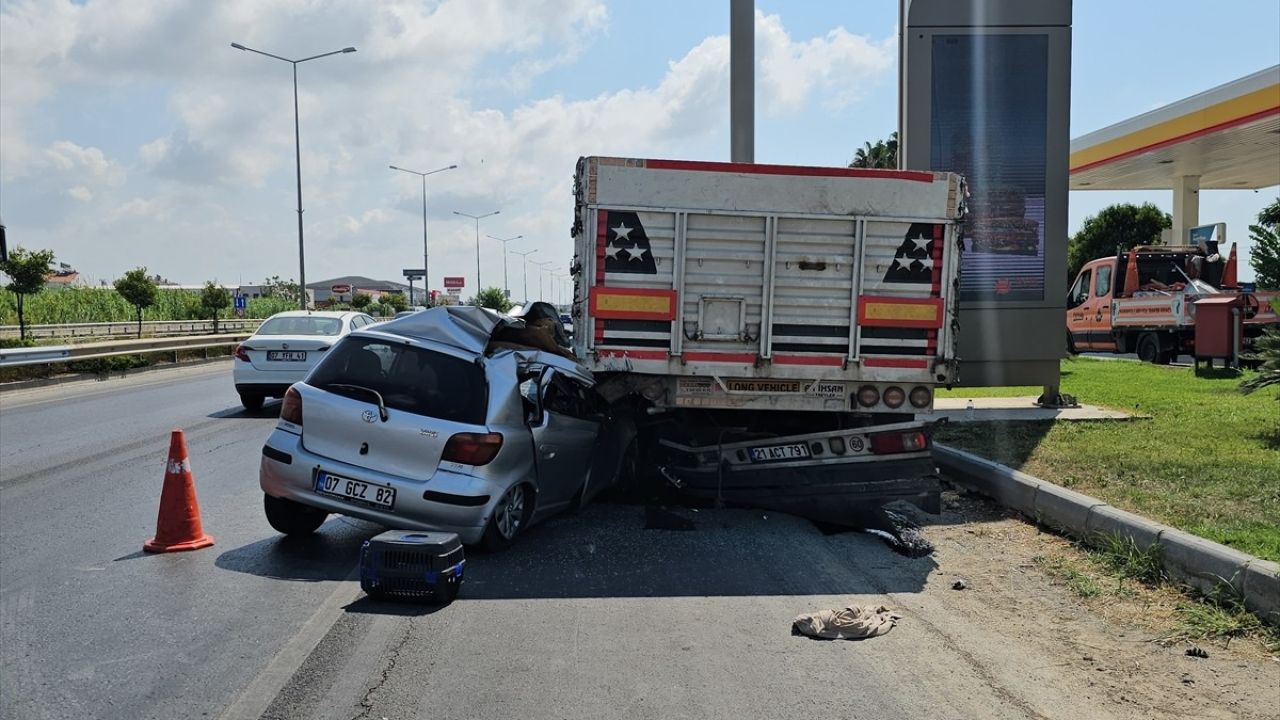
{"points": [[18, 357], [152, 328]]}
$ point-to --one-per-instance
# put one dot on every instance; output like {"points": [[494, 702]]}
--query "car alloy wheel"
{"points": [[510, 512]]}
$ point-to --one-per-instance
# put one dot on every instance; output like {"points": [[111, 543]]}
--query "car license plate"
{"points": [[774, 453], [287, 355], [363, 493]]}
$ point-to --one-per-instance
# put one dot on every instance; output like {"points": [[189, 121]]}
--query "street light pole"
{"points": [[477, 218], [542, 269], [297, 153], [426, 275], [524, 270], [505, 287]]}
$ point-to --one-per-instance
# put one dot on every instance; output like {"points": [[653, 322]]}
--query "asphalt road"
{"points": [[90, 627], [605, 614]]}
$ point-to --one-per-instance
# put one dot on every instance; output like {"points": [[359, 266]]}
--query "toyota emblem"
{"points": [[368, 416]]}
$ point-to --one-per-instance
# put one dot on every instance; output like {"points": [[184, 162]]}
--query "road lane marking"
{"points": [[254, 700]]}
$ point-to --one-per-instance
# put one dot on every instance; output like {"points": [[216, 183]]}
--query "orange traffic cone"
{"points": [[178, 525]]}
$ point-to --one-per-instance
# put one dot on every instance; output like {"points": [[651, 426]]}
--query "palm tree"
{"points": [[883, 155]]}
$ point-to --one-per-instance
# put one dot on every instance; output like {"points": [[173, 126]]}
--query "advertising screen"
{"points": [[989, 110]]}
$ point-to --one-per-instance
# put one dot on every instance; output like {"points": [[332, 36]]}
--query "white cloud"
{"points": [[839, 67], [81, 193]]}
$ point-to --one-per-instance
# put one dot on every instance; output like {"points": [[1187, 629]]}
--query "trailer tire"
{"points": [[1149, 349], [1071, 344]]}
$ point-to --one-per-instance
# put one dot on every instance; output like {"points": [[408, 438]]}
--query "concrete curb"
{"points": [[1200, 563], [64, 378]]}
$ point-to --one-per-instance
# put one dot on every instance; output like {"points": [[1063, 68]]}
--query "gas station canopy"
{"points": [[1227, 138]]}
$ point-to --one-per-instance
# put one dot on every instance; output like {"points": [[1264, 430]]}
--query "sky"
{"points": [[132, 133]]}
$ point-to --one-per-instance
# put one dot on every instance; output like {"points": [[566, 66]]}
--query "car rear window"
{"points": [[301, 326], [412, 379]]}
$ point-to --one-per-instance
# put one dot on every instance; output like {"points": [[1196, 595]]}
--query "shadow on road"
{"points": [[329, 554], [270, 410], [608, 551]]}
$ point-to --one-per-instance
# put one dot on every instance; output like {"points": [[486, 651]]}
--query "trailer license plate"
{"points": [[362, 493], [287, 355], [774, 453]]}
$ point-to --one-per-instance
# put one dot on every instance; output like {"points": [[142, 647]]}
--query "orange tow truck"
{"points": [[1144, 301]]}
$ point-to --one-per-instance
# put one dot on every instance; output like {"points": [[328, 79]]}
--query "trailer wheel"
{"points": [[1149, 348], [1071, 344]]}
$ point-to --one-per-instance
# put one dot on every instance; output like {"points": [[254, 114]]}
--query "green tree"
{"points": [[492, 298], [1115, 228], [395, 301], [883, 155], [1265, 256], [139, 290], [213, 300], [360, 301], [286, 289], [27, 270], [1268, 353]]}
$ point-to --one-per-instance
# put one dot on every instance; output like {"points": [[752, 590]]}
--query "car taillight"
{"points": [[921, 396], [472, 448], [291, 406], [241, 353], [898, 442], [894, 397]]}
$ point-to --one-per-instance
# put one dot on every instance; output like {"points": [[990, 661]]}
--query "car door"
{"points": [[1097, 309], [564, 429]]}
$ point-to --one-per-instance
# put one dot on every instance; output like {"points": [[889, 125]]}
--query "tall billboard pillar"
{"points": [[986, 92]]}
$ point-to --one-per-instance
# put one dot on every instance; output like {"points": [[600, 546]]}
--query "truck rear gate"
{"points": [[760, 286]]}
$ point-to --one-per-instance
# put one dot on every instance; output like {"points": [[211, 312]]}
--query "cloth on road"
{"points": [[850, 623]]}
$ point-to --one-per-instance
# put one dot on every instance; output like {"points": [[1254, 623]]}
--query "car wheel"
{"points": [[251, 402], [1148, 348], [510, 516], [292, 518], [1071, 345]]}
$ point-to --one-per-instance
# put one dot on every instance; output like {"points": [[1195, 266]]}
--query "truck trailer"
{"points": [[771, 332]]}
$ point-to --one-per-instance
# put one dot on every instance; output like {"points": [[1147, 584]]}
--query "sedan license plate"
{"points": [[287, 355], [775, 453], [355, 491]]}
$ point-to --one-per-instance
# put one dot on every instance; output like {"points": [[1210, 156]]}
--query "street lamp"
{"points": [[524, 269], [477, 218], [426, 276], [542, 269], [297, 152], [505, 287]]}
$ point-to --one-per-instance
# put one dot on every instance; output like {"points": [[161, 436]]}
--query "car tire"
{"points": [[1071, 345], [510, 516], [1149, 348], [252, 402], [292, 518]]}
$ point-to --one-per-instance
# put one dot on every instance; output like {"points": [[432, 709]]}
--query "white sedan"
{"points": [[285, 348]]}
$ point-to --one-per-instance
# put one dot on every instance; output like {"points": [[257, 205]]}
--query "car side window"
{"points": [[566, 396], [1080, 292], [1103, 286]]}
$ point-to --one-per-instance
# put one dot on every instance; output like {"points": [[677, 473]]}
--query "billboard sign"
{"points": [[454, 283], [1202, 235], [340, 289]]}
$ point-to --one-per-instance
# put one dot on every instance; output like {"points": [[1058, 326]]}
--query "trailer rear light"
{"points": [[241, 353], [472, 448], [898, 442], [868, 396], [291, 406], [921, 396], [837, 445], [894, 397]]}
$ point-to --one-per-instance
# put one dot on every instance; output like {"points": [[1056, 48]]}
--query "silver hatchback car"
{"points": [[441, 420]]}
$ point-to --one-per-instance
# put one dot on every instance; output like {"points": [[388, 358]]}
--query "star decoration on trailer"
{"points": [[626, 246], [913, 260]]}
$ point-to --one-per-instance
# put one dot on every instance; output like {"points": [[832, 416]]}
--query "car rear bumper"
{"points": [[265, 389], [450, 502]]}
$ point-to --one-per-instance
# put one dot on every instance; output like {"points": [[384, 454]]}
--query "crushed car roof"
{"points": [[461, 326]]}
